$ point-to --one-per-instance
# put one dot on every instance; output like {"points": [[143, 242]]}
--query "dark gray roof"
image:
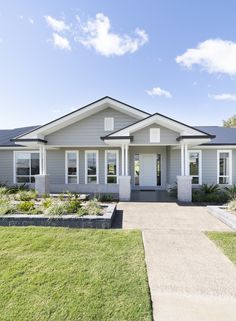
{"points": [[224, 135], [7, 134]]}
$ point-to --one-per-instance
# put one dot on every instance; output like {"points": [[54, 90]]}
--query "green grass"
{"points": [[67, 274], [226, 241]]}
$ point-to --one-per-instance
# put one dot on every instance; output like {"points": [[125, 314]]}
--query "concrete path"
{"points": [[189, 277]]}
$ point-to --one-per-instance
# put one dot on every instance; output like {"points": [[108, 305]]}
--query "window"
{"points": [[224, 166], [158, 163], [109, 124], [26, 166], [91, 167], [195, 161], [72, 167], [111, 166], [154, 135], [136, 169]]}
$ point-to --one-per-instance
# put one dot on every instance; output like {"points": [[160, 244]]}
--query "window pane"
{"points": [[158, 169], [136, 169], [112, 180], [34, 164], [195, 180], [224, 180], [111, 163], [91, 163], [22, 179], [224, 164], [194, 164], [92, 180], [72, 179], [22, 164]]}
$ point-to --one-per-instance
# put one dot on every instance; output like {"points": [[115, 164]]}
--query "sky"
{"points": [[175, 57]]}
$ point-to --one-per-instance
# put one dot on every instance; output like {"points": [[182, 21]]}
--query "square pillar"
{"points": [[184, 188], [124, 188], [42, 184]]}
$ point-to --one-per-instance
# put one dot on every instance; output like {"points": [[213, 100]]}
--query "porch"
{"points": [[160, 196]]}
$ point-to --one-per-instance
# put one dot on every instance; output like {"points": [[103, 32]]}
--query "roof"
{"points": [[224, 135], [7, 134]]}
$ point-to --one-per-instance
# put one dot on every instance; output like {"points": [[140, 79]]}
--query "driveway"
{"points": [[189, 277]]}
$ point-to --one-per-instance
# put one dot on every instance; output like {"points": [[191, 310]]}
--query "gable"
{"points": [[142, 136], [89, 130]]}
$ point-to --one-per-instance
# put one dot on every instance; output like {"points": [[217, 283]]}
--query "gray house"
{"points": [[111, 147]]}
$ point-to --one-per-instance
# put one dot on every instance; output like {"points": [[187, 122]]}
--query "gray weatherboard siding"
{"points": [[87, 132]]}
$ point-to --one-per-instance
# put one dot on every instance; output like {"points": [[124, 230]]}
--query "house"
{"points": [[111, 147]]}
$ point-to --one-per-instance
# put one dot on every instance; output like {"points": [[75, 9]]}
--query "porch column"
{"points": [[124, 180], [182, 159], [186, 159], [126, 160], [122, 160], [184, 182], [42, 185]]}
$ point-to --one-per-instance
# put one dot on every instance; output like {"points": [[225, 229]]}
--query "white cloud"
{"points": [[96, 33], [61, 42], [31, 21], [213, 55], [157, 91], [227, 97], [56, 25]]}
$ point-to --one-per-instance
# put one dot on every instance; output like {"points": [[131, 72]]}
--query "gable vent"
{"points": [[154, 135]]}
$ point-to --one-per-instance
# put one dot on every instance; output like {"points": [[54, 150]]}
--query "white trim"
{"points": [[126, 160], [186, 159], [86, 165], [116, 151], [182, 159], [15, 152], [108, 124], [230, 165], [66, 165], [199, 163], [82, 113]]}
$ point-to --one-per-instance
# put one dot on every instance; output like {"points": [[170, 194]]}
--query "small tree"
{"points": [[230, 122]]}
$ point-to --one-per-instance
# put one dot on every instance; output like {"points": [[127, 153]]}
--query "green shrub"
{"points": [[82, 211], [232, 205], [17, 188], [56, 208], [217, 197], [173, 191], [209, 189], [106, 198], [6, 207], [72, 205], [46, 203], [231, 191], [93, 207], [26, 206], [26, 195], [3, 191]]}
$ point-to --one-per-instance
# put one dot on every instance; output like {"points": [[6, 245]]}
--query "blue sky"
{"points": [[173, 57]]}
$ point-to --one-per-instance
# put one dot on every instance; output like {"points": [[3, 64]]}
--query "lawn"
{"points": [[68, 274], [226, 242]]}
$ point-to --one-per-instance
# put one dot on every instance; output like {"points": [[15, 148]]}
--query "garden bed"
{"points": [[67, 220]]}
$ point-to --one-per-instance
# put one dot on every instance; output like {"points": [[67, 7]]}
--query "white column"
{"points": [[122, 160], [44, 160], [182, 159], [126, 160], [40, 159], [186, 159]]}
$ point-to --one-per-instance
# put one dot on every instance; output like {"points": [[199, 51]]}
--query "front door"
{"points": [[148, 170]]}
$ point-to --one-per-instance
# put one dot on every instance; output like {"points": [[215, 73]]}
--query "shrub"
{"points": [[72, 205], [231, 191], [3, 191], [17, 188], [93, 207], [26, 195], [46, 203], [6, 207], [208, 189], [82, 211], [173, 191], [232, 205], [26, 206], [106, 198], [56, 208], [218, 197]]}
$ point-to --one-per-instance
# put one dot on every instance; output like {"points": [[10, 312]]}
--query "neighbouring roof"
{"points": [[224, 135], [7, 134]]}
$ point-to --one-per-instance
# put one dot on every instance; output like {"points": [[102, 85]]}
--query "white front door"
{"points": [[148, 171]]}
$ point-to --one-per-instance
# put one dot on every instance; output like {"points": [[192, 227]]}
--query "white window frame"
{"points": [[14, 164], [230, 166], [66, 166], [86, 166], [117, 165], [106, 122], [155, 136], [200, 165]]}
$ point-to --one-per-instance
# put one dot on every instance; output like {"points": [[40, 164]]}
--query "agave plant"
{"points": [[231, 191], [209, 189]]}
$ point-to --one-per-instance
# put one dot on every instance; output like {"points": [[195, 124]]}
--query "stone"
{"points": [[184, 188]]}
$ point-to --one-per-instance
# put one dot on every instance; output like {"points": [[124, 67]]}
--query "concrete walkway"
{"points": [[189, 277]]}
